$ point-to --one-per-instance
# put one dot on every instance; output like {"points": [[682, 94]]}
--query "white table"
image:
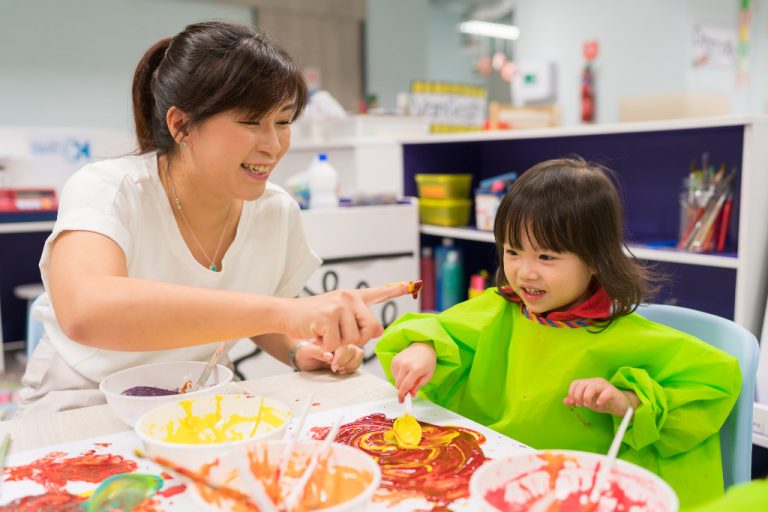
{"points": [[329, 390]]}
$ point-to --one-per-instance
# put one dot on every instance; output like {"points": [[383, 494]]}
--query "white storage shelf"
{"points": [[639, 251], [651, 158]]}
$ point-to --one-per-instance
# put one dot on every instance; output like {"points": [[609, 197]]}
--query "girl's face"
{"points": [[235, 154], [546, 280]]}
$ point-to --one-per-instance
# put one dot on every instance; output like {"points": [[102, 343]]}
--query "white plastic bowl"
{"points": [[235, 417], [169, 375], [226, 471], [521, 480]]}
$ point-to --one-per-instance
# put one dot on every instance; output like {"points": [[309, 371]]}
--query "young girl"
{"points": [[556, 355], [161, 255]]}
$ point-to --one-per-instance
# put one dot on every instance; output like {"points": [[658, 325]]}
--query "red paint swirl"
{"points": [[60, 501], [577, 501], [438, 470], [54, 470]]}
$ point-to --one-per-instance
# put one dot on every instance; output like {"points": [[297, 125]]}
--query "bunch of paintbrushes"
{"points": [[707, 208]]}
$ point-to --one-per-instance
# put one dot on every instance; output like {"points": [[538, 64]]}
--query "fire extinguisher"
{"points": [[588, 83]]}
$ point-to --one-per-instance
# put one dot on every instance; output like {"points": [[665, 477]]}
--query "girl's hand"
{"points": [[337, 318], [346, 358], [601, 396], [412, 368]]}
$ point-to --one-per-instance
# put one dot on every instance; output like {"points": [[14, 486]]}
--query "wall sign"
{"points": [[451, 107], [714, 45]]}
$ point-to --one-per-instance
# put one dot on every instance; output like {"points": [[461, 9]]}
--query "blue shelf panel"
{"points": [[651, 166], [708, 289], [8, 217], [19, 259]]}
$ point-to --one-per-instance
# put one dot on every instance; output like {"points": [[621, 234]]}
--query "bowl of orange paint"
{"points": [[344, 481], [191, 431], [562, 480], [135, 391]]}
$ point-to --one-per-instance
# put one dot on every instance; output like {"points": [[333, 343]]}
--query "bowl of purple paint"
{"points": [[133, 391]]}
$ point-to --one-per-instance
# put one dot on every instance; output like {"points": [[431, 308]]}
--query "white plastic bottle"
{"points": [[323, 184]]}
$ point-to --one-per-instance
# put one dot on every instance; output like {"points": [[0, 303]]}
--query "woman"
{"points": [[158, 256]]}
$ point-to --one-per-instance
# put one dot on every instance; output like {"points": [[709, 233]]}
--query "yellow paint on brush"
{"points": [[217, 428]]}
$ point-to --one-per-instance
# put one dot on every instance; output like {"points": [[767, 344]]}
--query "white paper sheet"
{"points": [[124, 443]]}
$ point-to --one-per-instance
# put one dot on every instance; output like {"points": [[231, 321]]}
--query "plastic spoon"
{"points": [[285, 457], [210, 366], [407, 429], [294, 498], [613, 451], [254, 485]]}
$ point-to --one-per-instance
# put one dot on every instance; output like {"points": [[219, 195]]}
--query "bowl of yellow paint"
{"points": [[344, 481], [135, 391], [191, 431], [563, 480]]}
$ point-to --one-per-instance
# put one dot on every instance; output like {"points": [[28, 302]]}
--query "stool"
{"points": [[30, 292]]}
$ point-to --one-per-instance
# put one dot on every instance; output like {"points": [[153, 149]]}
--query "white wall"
{"points": [[70, 63], [396, 46], [645, 48]]}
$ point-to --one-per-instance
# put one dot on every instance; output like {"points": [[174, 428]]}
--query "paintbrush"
{"points": [[6, 443], [256, 486], [210, 366], [297, 492], [223, 490], [285, 457], [613, 451]]}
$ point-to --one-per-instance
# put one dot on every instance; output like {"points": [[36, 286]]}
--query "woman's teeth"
{"points": [[255, 169]]}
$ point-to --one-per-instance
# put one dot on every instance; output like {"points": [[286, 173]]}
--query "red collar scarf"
{"points": [[596, 307]]}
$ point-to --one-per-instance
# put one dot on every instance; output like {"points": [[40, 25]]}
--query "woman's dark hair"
{"points": [[206, 69], [569, 205]]}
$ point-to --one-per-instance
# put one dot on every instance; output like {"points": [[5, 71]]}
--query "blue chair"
{"points": [[736, 433], [34, 326]]}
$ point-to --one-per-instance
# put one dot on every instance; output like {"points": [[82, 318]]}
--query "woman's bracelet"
{"points": [[293, 351]]}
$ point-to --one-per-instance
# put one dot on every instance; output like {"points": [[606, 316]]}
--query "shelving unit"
{"points": [[651, 160], [644, 253]]}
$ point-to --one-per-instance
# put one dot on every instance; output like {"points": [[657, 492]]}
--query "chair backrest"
{"points": [[34, 326], [736, 433]]}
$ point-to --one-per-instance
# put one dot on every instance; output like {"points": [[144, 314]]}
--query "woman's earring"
{"points": [[183, 144]]}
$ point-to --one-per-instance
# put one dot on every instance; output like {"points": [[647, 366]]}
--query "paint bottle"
{"points": [[453, 288], [440, 253], [323, 183], [477, 284], [427, 275]]}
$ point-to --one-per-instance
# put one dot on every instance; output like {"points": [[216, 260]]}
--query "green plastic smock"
{"points": [[745, 497], [511, 373]]}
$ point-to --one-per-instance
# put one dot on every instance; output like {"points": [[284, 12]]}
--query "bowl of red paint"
{"points": [[345, 481], [137, 390], [562, 480]]}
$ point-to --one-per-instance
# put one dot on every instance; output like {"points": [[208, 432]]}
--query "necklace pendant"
{"points": [[213, 267]]}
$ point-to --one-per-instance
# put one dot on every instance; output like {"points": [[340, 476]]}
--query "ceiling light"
{"points": [[488, 29]]}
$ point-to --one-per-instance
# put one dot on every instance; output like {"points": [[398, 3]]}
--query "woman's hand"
{"points": [[413, 367], [601, 396], [338, 318], [346, 358]]}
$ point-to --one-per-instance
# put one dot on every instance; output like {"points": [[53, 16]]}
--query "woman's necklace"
{"points": [[212, 261]]}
